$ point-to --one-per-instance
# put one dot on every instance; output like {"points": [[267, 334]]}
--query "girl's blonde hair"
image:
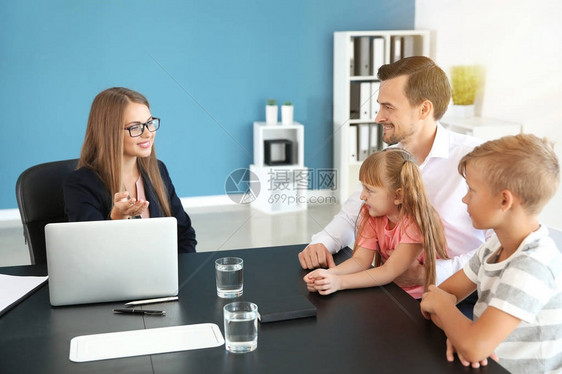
{"points": [[102, 150], [395, 170]]}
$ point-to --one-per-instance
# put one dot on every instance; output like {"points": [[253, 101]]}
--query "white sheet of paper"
{"points": [[13, 288], [144, 342]]}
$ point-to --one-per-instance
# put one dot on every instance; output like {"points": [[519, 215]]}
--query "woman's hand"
{"points": [[125, 207]]}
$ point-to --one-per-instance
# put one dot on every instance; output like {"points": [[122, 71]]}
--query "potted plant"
{"points": [[271, 111], [465, 82], [287, 112]]}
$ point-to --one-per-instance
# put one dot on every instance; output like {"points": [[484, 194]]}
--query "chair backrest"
{"points": [[41, 201]]}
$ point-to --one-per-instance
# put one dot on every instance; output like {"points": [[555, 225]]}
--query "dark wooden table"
{"points": [[374, 330]]}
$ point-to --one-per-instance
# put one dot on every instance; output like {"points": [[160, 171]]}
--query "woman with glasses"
{"points": [[118, 175]]}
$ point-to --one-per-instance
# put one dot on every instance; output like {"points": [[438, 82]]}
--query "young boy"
{"points": [[517, 272]]}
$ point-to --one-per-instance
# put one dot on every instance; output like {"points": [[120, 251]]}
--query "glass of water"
{"points": [[241, 326], [230, 277]]}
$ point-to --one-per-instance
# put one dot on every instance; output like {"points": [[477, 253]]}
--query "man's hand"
{"points": [[316, 255]]}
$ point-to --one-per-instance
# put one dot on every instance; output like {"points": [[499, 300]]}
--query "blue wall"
{"points": [[206, 67]]}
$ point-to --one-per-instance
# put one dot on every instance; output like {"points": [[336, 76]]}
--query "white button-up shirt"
{"points": [[445, 188]]}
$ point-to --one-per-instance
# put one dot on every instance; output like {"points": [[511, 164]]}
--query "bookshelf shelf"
{"points": [[352, 49]]}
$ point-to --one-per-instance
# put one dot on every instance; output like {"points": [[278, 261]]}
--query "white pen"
{"points": [[152, 301]]}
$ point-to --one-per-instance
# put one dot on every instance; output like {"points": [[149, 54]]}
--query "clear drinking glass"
{"points": [[240, 326], [229, 276]]}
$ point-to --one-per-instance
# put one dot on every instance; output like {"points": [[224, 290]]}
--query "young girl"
{"points": [[396, 221], [118, 174]]}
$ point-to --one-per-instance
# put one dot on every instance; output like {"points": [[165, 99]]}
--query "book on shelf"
{"points": [[365, 100], [351, 57], [363, 141], [354, 100], [378, 54], [353, 144], [396, 48], [362, 55], [408, 46], [374, 97], [375, 134]]}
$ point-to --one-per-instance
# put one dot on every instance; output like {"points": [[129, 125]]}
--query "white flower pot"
{"points": [[461, 111], [287, 114], [271, 113]]}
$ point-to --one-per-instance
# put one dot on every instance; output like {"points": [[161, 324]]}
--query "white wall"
{"points": [[519, 43]]}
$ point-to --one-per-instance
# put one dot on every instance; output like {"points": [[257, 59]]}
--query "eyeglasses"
{"points": [[138, 128]]}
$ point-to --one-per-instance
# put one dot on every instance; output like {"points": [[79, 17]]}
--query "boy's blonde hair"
{"points": [[523, 164]]}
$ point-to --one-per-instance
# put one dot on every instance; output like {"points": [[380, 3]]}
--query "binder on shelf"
{"points": [[354, 100], [353, 144], [363, 141], [378, 54], [351, 58], [408, 46], [362, 55], [396, 49], [365, 100], [374, 96], [374, 136]]}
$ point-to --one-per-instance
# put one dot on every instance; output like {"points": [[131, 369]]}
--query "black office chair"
{"points": [[40, 201]]}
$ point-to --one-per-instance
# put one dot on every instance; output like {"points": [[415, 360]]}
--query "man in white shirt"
{"points": [[413, 95]]}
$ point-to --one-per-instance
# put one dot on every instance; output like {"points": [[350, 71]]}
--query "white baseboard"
{"points": [[314, 197], [206, 201], [10, 215]]}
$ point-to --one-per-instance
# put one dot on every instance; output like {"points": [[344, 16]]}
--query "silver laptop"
{"points": [[101, 261]]}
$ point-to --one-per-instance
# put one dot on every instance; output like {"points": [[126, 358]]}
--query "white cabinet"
{"points": [[357, 55], [480, 127], [279, 167]]}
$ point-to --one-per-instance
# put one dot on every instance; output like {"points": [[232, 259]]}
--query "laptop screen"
{"points": [[102, 261]]}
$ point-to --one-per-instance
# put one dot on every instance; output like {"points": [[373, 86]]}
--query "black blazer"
{"points": [[86, 198]]}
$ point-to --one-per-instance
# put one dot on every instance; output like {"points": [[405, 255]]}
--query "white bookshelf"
{"points": [[283, 188], [344, 79], [481, 127]]}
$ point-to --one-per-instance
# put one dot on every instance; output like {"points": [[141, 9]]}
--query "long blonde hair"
{"points": [[102, 150], [395, 169]]}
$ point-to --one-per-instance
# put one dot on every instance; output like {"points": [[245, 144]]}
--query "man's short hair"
{"points": [[426, 81], [523, 164]]}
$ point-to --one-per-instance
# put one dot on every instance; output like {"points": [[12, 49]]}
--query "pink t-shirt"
{"points": [[377, 236]]}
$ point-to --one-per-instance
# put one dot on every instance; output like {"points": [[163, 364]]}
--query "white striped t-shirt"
{"points": [[527, 285]]}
